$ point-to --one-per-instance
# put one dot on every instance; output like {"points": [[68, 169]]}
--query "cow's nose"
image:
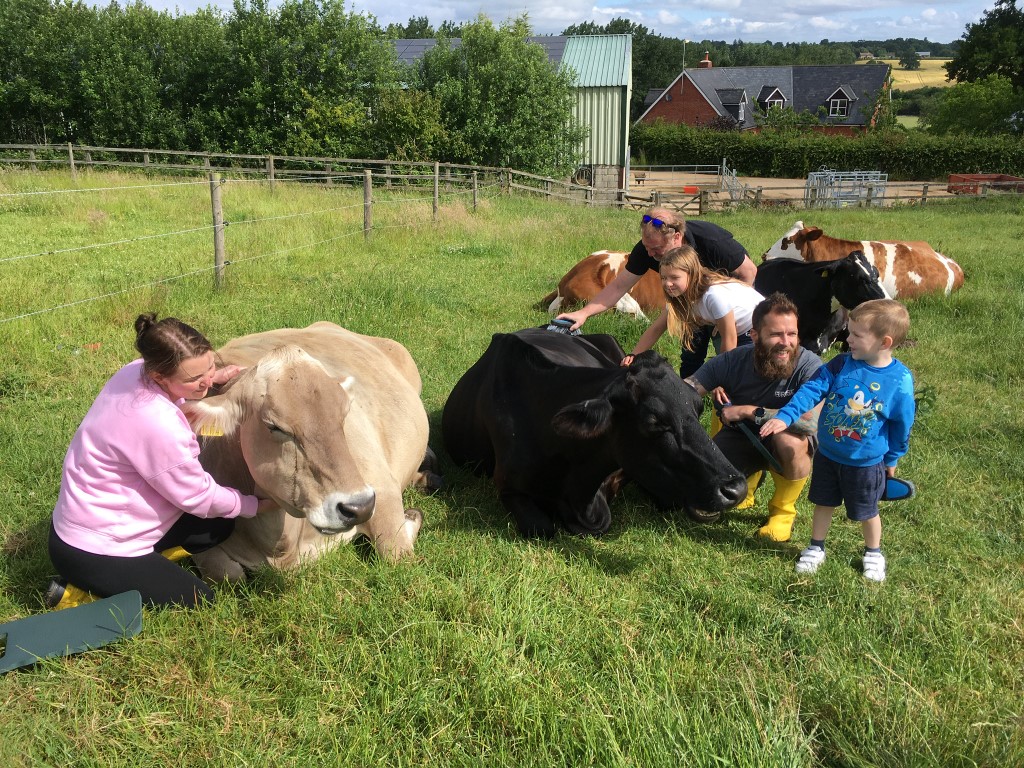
{"points": [[358, 508], [733, 491]]}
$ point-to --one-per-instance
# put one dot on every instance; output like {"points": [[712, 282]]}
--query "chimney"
{"points": [[705, 63]]}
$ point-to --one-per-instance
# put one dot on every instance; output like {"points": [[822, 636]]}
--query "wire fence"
{"points": [[432, 190]]}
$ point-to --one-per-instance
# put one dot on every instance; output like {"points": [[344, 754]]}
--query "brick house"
{"points": [[844, 96]]}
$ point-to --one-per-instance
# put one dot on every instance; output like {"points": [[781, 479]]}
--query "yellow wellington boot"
{"points": [[782, 508], [174, 554], [61, 595], [716, 423], [752, 482]]}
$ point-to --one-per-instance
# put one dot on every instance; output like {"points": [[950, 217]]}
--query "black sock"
{"points": [[819, 543], [873, 549]]}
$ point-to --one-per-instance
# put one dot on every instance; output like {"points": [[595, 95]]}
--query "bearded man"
{"points": [[750, 384]]}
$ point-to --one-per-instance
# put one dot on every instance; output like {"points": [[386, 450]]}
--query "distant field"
{"points": [[909, 121], [931, 73]]}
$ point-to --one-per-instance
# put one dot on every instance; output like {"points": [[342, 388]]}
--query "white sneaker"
{"points": [[874, 566], [810, 559]]}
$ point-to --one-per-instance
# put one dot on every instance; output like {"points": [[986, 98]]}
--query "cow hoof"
{"points": [[431, 482], [703, 516]]}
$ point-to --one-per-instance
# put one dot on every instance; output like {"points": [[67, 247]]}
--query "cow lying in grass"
{"points": [[330, 425], [591, 275], [558, 424], [907, 269]]}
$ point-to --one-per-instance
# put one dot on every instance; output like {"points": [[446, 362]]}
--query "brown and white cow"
{"points": [[589, 277], [907, 269], [330, 425]]}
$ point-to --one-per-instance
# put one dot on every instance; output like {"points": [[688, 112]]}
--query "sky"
{"points": [[783, 21]]}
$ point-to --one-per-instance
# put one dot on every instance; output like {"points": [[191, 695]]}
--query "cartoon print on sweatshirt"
{"points": [[850, 409]]}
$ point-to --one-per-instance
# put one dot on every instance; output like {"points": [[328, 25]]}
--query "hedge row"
{"points": [[904, 155]]}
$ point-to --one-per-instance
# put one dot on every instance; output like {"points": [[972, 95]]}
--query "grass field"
{"points": [[931, 73], [664, 643]]}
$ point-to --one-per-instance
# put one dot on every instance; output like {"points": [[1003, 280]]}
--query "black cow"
{"points": [[812, 285], [554, 418]]}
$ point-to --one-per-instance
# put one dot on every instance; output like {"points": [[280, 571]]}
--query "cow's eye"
{"points": [[275, 430]]}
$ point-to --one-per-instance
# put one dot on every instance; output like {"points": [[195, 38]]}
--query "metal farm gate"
{"points": [[840, 189]]}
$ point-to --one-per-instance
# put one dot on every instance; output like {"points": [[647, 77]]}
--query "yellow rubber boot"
{"points": [[782, 508], [716, 423], [752, 483], [174, 554], [60, 596]]}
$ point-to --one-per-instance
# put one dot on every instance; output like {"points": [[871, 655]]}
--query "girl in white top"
{"points": [[698, 296]]}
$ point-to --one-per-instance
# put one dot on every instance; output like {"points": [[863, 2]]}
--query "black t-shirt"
{"points": [[716, 248]]}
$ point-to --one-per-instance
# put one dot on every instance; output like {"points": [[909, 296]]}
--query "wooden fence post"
{"points": [[218, 230], [704, 202], [437, 178], [329, 170], [270, 171], [387, 176], [367, 203], [757, 196], [924, 194], [474, 191], [71, 160]]}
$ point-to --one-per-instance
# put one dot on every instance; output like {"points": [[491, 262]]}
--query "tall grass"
{"points": [[662, 643]]}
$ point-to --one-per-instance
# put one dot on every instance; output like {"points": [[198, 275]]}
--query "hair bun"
{"points": [[144, 322]]}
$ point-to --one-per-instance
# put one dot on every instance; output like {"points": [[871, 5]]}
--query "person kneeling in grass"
{"points": [[863, 430]]}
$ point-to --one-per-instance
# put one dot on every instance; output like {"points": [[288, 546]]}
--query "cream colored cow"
{"points": [[330, 425]]}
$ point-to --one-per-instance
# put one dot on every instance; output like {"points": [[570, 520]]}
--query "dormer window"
{"points": [[839, 104], [771, 97]]}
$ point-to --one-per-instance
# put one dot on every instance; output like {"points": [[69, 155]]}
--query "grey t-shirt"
{"points": [[734, 371]]}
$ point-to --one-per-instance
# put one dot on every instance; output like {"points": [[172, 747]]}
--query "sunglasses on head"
{"points": [[656, 223]]}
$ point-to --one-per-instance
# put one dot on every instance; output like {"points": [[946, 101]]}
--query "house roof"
{"points": [[804, 87], [597, 60]]}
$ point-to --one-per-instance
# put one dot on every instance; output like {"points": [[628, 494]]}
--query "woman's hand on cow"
{"points": [[265, 505], [627, 361], [772, 427], [226, 374]]}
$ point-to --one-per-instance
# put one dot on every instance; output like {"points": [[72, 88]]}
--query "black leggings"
{"points": [[160, 581]]}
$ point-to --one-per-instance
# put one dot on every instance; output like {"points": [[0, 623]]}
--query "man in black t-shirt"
{"points": [[663, 230], [750, 384]]}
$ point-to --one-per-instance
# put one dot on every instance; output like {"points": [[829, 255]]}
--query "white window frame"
{"points": [[839, 104]]}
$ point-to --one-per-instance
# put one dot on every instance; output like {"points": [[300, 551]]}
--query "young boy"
{"points": [[863, 430]]}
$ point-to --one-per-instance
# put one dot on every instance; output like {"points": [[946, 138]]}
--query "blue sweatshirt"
{"points": [[867, 413]]}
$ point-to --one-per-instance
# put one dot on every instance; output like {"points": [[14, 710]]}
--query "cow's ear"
{"points": [[813, 233], [590, 418], [214, 416]]}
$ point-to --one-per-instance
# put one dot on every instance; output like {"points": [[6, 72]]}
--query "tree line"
{"points": [[310, 78], [304, 77]]}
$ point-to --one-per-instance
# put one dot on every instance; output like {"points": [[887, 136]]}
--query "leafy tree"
{"points": [[910, 61], [987, 107], [418, 28], [993, 46], [502, 101], [45, 51], [305, 78]]}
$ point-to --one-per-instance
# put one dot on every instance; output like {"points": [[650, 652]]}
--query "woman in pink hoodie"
{"points": [[132, 485]]}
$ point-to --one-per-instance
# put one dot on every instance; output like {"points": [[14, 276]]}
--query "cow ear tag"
{"points": [[211, 430]]}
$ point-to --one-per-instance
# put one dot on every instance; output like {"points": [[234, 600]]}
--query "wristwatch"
{"points": [[759, 417]]}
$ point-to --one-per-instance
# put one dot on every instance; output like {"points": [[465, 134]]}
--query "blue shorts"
{"points": [[858, 488]]}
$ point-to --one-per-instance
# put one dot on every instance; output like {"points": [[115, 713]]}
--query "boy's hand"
{"points": [[627, 361], [772, 427]]}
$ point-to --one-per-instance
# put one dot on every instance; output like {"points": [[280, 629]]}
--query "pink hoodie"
{"points": [[132, 469]]}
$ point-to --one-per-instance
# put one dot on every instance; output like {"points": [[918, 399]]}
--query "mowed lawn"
{"points": [[664, 643]]}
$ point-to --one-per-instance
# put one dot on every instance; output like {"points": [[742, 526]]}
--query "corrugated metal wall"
{"points": [[606, 112]]}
